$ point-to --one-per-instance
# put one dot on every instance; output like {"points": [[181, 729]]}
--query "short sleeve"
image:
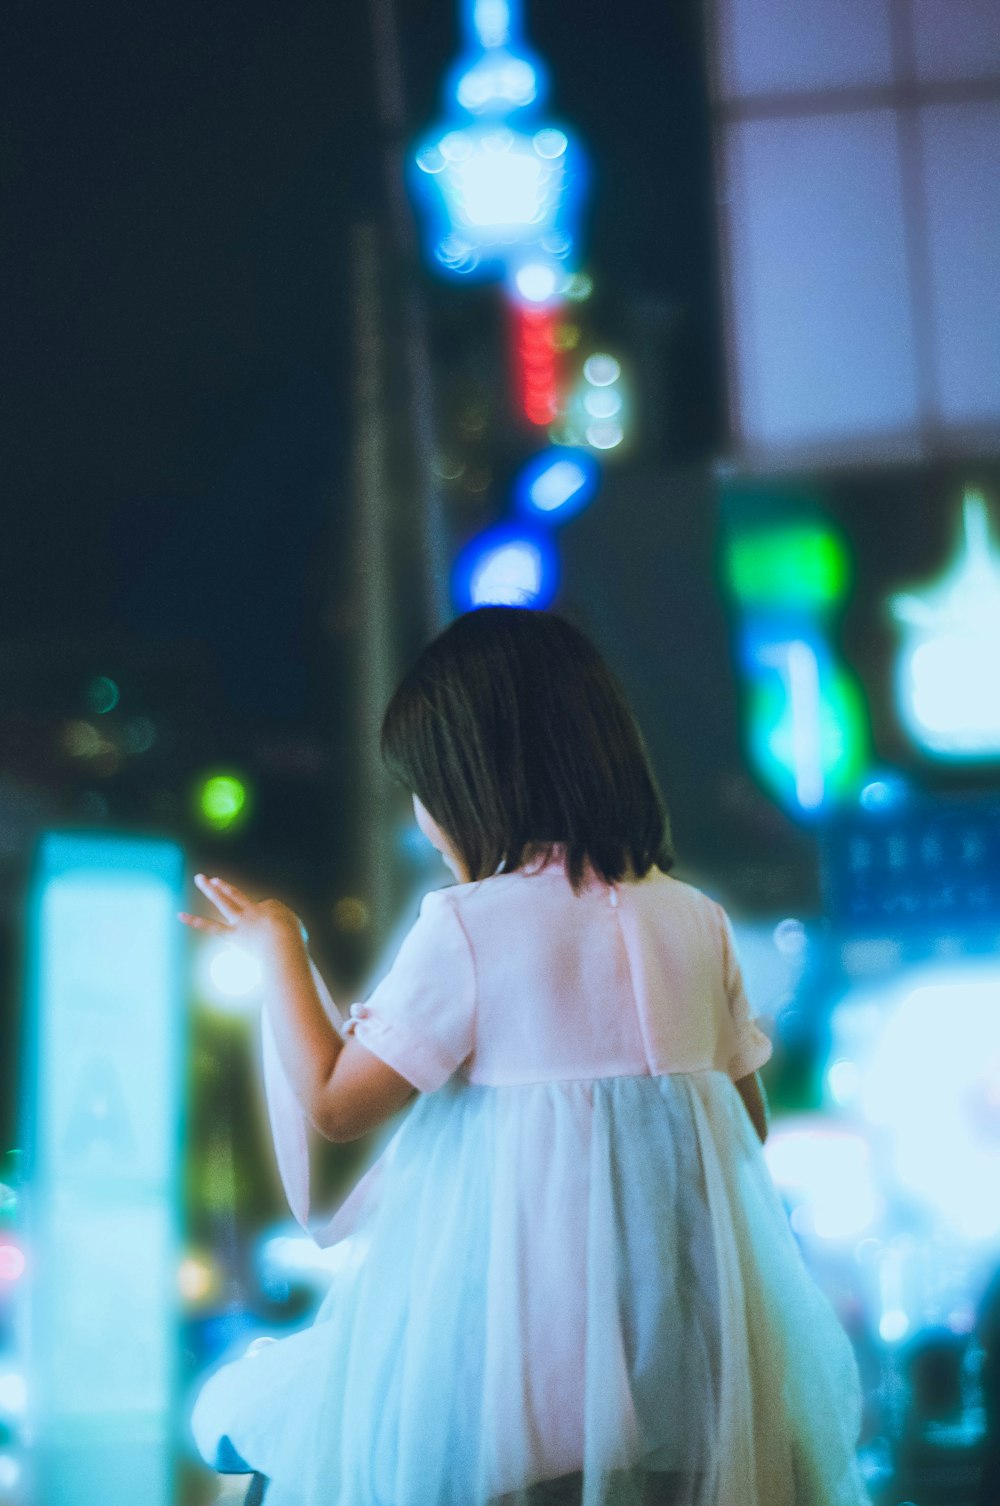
{"points": [[420, 1018], [743, 1046]]}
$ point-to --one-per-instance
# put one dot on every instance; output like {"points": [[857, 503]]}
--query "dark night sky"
{"points": [[178, 183]]}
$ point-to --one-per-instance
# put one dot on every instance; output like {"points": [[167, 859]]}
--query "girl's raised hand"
{"points": [[252, 923]]}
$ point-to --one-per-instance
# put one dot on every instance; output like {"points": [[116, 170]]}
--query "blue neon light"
{"points": [[102, 1122], [493, 190], [557, 484], [506, 566], [493, 193]]}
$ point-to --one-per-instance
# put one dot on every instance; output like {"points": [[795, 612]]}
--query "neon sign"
{"points": [[948, 684]]}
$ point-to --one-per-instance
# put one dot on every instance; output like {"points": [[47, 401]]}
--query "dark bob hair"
{"points": [[515, 735]]}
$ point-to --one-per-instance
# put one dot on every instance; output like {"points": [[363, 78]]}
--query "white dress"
{"points": [[576, 1267]]}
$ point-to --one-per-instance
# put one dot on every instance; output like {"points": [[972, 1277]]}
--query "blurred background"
{"points": [[324, 323]]}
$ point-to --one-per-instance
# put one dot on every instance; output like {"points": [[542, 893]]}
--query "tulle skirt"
{"points": [[579, 1292]]}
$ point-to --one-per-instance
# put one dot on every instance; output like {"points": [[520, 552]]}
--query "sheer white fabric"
{"points": [[627, 1307]]}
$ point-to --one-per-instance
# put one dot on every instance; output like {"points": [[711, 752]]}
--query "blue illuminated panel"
{"points": [[930, 869], [102, 1112]]}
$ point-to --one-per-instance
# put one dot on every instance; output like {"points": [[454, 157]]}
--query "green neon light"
{"points": [[796, 565], [222, 801]]}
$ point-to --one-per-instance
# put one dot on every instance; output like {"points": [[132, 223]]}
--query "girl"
{"points": [[575, 1282]]}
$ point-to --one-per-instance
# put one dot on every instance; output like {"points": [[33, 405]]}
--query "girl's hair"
{"points": [[515, 735]]}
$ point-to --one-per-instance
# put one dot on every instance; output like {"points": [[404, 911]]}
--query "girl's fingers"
{"points": [[216, 891], [202, 923], [235, 896]]}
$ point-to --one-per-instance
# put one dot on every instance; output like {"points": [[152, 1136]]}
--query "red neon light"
{"points": [[536, 364]]}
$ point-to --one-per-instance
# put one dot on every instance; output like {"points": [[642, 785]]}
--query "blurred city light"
{"points": [[598, 409], [229, 976], [948, 687], [601, 370], [102, 1112], [932, 1081], [602, 403], [222, 801], [894, 1325], [536, 282], [808, 733], [579, 287], [506, 567], [800, 565], [883, 793], [13, 1393], [497, 82], [604, 434], [197, 1278], [537, 363], [102, 695], [492, 189], [352, 914], [844, 1081], [12, 1262], [557, 483], [827, 1172]]}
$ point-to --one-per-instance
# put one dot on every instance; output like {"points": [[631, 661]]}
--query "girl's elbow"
{"points": [[328, 1119]]}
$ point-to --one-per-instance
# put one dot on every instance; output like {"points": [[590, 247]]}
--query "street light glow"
{"points": [[536, 282], [601, 370]]}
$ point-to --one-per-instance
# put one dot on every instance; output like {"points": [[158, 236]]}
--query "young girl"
{"points": [[577, 1283]]}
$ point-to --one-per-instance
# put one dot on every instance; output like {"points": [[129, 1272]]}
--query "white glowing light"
{"points": [[797, 663], [510, 575], [557, 485], [604, 434], [499, 186], [456, 146], [602, 403], [497, 79], [828, 1171], [491, 22], [929, 1082], [894, 1325], [536, 282], [10, 1471], [601, 370], [844, 1080], [13, 1393], [947, 681], [229, 976], [790, 937]]}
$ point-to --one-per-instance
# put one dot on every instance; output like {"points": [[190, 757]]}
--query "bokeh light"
{"points": [[103, 695], [222, 801]]}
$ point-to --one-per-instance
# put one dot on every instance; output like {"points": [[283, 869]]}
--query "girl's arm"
{"points": [[344, 1089], [751, 1090]]}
